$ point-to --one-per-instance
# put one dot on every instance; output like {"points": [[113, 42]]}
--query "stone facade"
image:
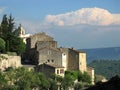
{"points": [[9, 61], [31, 42], [50, 55], [70, 59], [73, 59], [43, 49], [50, 69], [90, 71], [82, 61], [42, 44]]}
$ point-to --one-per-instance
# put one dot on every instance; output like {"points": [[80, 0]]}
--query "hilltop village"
{"points": [[43, 54]]}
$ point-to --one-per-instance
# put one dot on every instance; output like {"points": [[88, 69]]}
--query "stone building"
{"points": [[70, 59], [42, 50], [73, 59], [50, 69]]}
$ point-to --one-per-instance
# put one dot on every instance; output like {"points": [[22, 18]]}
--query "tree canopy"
{"points": [[12, 42], [2, 45], [106, 68]]}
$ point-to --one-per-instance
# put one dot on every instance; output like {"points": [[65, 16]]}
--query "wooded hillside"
{"points": [[107, 68]]}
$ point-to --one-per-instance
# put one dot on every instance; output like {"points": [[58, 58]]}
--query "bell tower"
{"points": [[21, 31]]}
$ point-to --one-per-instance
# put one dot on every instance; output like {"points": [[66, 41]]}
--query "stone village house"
{"points": [[43, 51]]}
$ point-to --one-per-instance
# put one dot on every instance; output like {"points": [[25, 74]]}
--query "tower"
{"points": [[21, 33]]}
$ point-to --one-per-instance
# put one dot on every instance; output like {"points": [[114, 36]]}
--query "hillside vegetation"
{"points": [[107, 68]]}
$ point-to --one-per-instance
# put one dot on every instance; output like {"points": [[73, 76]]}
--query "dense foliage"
{"points": [[12, 42], [24, 79], [77, 75], [107, 68], [2, 45]]}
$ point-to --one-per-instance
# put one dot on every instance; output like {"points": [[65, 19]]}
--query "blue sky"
{"points": [[73, 23]]}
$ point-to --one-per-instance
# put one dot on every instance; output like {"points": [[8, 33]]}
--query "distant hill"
{"points": [[112, 53], [107, 68]]}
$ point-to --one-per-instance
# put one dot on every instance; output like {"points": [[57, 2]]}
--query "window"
{"points": [[52, 60], [61, 71], [49, 52], [48, 60], [57, 71]]}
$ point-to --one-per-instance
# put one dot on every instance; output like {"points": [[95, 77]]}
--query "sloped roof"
{"points": [[42, 34], [74, 50], [55, 66], [51, 48]]}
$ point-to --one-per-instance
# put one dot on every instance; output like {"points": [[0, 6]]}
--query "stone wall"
{"points": [[38, 37], [10, 61], [90, 71], [14, 61], [82, 61], [47, 70], [70, 58], [41, 44], [73, 57], [50, 55]]}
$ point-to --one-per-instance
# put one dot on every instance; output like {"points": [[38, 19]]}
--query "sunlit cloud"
{"points": [[93, 19], [91, 16]]}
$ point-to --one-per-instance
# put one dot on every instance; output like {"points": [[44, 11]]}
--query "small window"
{"points": [[61, 71], [52, 60], [49, 52], [48, 60], [57, 71]]}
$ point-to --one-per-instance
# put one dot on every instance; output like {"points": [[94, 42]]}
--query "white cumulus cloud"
{"points": [[91, 16]]}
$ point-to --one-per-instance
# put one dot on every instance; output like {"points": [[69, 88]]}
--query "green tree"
{"points": [[44, 85], [2, 45], [56, 81], [67, 82], [3, 81], [86, 78], [78, 86], [53, 84], [73, 74], [7, 26], [17, 45], [13, 42], [4, 27]]}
